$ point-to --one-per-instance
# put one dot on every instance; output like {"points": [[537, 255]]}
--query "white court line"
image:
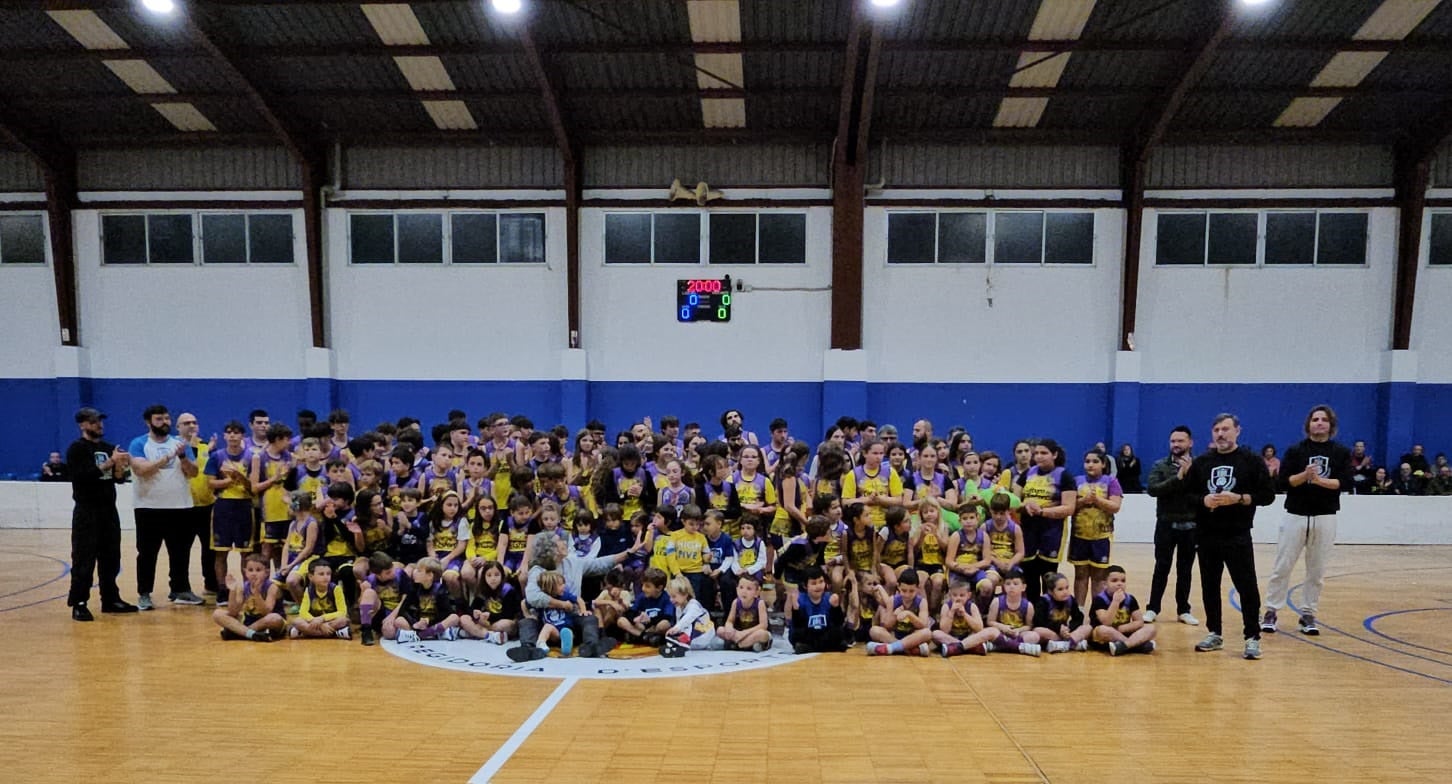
{"points": [[522, 734]]}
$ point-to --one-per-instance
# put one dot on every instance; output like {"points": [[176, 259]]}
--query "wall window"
{"points": [[1269, 237], [188, 238], [1439, 248], [990, 237], [446, 238], [680, 237], [22, 239]]}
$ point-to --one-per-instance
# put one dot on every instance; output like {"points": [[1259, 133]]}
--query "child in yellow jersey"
{"points": [[323, 611], [1013, 616], [658, 540], [495, 611], [270, 470], [301, 547], [1092, 532], [960, 627], [1057, 617], [862, 605], [966, 558], [840, 578], [370, 476], [746, 623], [928, 548], [384, 591], [233, 525], [688, 550], [894, 555], [483, 546], [449, 538], [874, 483], [750, 553]]}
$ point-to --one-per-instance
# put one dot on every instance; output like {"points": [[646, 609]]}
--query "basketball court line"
{"points": [[65, 570], [502, 755], [1038, 771], [1370, 625]]}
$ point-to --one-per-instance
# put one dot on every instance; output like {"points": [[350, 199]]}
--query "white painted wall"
{"points": [[1268, 324], [446, 322], [1432, 317], [191, 321], [628, 316], [32, 326], [1066, 316]]}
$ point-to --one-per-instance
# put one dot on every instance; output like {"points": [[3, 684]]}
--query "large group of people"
{"points": [[676, 539]]}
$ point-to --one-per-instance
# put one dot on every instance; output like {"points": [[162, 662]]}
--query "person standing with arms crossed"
{"points": [[163, 467], [96, 466], [1313, 474], [1228, 483], [1174, 527]]}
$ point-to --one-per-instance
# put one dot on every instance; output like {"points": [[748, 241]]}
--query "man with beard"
{"points": [[1314, 473], [163, 466], [1225, 486], [1174, 527], [203, 498], [96, 467]]}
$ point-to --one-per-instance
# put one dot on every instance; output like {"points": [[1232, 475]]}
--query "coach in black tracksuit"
{"points": [[1229, 482], [96, 466]]}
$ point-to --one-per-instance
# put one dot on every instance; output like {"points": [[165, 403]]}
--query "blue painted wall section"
{"points": [[1388, 416]]}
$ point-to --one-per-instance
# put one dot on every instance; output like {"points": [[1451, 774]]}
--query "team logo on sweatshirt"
{"points": [[1222, 479], [1322, 464]]}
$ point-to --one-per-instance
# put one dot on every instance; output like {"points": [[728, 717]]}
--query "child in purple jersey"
{"points": [[1013, 616], [494, 614], [427, 611], [745, 627], [1058, 620], [515, 534], [1098, 500], [903, 625], [440, 476], [960, 627], [251, 613], [385, 587], [323, 611], [675, 494], [1049, 496], [401, 473], [411, 528], [1115, 615], [474, 481]]}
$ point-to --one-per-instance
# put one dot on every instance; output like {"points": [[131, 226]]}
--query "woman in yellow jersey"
{"points": [[929, 547], [793, 494]]}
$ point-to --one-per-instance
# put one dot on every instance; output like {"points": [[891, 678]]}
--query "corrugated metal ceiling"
{"points": [[298, 24], [1302, 19], [595, 21], [795, 20], [793, 69], [990, 19]]}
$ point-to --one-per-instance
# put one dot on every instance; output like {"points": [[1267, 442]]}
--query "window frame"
{"points": [[447, 228], [44, 239], [1262, 218], [704, 216], [1432, 213], [198, 223], [990, 237]]}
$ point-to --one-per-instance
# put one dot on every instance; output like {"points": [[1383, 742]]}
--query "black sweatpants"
{"points": [[1235, 554], [206, 559], [589, 631], [172, 527], [1168, 542], [95, 552], [831, 639]]}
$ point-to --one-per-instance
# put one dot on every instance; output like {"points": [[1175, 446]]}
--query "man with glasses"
{"points": [[202, 500]]}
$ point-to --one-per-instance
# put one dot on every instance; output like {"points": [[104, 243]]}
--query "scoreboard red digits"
{"points": [[703, 299]]}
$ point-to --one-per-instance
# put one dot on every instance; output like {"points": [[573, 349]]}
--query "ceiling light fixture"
{"points": [[886, 3], [507, 6], [159, 6]]}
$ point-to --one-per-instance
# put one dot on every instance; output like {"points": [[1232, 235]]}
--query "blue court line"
{"points": [[1370, 625], [1235, 603], [1290, 602], [32, 604], [65, 570]]}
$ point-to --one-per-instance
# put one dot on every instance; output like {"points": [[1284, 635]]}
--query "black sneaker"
{"points": [[800, 648], [262, 635], [231, 635], [1308, 625], [118, 606], [369, 636], [81, 613], [1118, 648]]}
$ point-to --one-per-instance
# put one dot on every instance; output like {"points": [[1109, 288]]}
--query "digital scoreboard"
{"points": [[703, 300]]}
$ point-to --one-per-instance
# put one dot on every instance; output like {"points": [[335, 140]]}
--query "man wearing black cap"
{"points": [[96, 467]]}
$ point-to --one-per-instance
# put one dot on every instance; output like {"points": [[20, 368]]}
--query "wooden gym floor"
{"points": [[158, 697]]}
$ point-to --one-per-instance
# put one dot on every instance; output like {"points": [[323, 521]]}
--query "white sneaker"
{"points": [[1189, 620], [407, 635], [450, 634], [495, 637], [1081, 646], [1058, 646], [1150, 616], [1029, 649], [294, 633], [344, 633]]}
